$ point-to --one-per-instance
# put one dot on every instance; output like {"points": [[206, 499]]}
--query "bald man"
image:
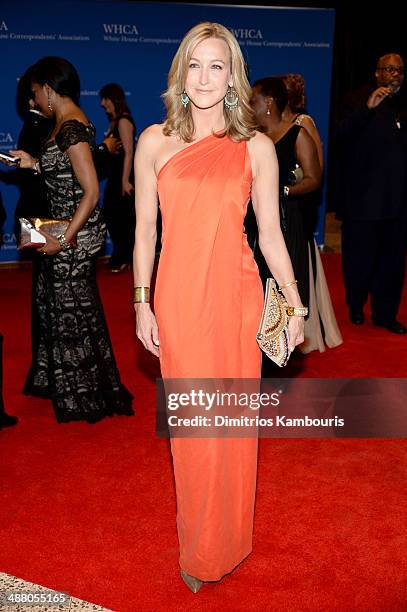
{"points": [[372, 197]]}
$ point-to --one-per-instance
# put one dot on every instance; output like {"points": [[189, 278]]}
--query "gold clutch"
{"points": [[30, 237], [272, 336]]}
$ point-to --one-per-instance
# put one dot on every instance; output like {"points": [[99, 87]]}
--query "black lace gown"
{"points": [[72, 357]]}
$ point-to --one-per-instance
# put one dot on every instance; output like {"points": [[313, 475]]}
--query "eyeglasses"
{"points": [[390, 69]]}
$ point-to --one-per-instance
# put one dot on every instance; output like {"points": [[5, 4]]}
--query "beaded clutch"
{"points": [[272, 336]]}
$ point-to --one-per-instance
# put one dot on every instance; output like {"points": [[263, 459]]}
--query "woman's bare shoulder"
{"points": [[262, 152], [260, 144], [152, 136], [305, 121], [150, 143]]}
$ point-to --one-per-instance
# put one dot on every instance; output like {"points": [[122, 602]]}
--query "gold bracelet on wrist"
{"points": [[293, 282], [141, 295], [300, 311]]}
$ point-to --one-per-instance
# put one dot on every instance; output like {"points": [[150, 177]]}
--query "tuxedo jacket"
{"points": [[372, 158]]}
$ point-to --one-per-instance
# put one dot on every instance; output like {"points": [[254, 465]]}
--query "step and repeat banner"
{"points": [[133, 44]]}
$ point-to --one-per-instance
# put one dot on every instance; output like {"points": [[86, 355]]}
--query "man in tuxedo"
{"points": [[372, 195]]}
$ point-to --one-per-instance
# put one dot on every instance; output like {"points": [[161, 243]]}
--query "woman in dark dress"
{"points": [[294, 147], [118, 202], [321, 327], [73, 362]]}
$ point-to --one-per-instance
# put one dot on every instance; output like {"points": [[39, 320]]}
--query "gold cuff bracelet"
{"points": [[141, 294]]}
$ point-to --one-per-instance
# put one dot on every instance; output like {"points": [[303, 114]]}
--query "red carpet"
{"points": [[90, 509]]}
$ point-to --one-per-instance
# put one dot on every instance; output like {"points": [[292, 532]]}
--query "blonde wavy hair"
{"points": [[240, 123]]}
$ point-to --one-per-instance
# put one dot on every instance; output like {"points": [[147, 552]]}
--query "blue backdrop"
{"points": [[133, 44]]}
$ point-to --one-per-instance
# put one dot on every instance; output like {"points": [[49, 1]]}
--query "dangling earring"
{"points": [[231, 99], [268, 111], [49, 101], [184, 99]]}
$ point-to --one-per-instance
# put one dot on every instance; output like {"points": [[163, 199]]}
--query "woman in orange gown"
{"points": [[205, 162]]}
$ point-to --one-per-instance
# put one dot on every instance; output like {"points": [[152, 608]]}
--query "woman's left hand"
{"points": [[127, 188], [51, 247], [295, 331]]}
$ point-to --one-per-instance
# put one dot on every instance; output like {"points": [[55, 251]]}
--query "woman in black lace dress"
{"points": [[118, 201], [73, 361]]}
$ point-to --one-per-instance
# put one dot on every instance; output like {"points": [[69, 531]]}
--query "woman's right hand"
{"points": [[146, 328], [26, 160]]}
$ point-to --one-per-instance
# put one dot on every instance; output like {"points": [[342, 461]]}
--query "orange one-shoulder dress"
{"points": [[208, 303]]}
